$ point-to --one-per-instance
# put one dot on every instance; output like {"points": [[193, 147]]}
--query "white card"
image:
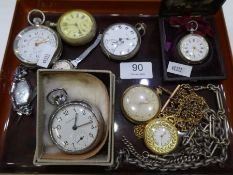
{"points": [[136, 70], [179, 69], [46, 56]]}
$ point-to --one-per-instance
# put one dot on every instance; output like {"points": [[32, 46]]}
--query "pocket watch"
{"points": [[140, 103], [37, 45], [160, 136], [193, 48], [21, 92], [75, 127], [77, 27], [121, 41], [72, 64]]}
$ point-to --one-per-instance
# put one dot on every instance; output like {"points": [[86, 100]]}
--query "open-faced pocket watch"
{"points": [[37, 45], [193, 48], [76, 27], [75, 127], [121, 41], [140, 103]]}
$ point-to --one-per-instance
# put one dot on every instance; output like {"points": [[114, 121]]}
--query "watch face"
{"points": [[121, 41], [75, 25], [161, 137], [62, 65], [193, 48], [21, 92], [74, 128], [33, 43], [140, 103]]}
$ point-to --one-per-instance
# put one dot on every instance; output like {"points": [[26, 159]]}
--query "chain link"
{"points": [[204, 144]]}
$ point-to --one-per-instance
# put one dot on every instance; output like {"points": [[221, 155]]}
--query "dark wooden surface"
{"points": [[13, 159]]}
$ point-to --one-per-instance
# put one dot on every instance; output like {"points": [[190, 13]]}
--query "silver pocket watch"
{"points": [[37, 45], [193, 48], [75, 127], [121, 41]]}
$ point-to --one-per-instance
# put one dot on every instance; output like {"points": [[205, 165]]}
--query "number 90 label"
{"points": [[136, 70]]}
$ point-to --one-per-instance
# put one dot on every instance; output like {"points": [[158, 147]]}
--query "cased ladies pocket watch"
{"points": [[193, 48], [121, 41], [160, 136], [37, 45], [75, 127], [77, 27], [140, 103]]}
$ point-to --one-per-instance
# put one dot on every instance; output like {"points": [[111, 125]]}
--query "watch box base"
{"points": [[96, 87]]}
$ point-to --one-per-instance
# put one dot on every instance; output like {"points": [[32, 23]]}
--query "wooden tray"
{"points": [[18, 141]]}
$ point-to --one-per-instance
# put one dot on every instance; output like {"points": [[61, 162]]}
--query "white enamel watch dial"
{"points": [[140, 103], [76, 127], [37, 43], [193, 48], [160, 136], [121, 41]]}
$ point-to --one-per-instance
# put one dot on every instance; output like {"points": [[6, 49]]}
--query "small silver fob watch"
{"points": [[193, 48], [37, 45], [76, 127]]}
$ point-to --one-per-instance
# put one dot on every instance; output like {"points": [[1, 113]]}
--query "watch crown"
{"points": [[57, 97]]}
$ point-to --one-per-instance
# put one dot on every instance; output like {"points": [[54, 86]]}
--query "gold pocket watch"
{"points": [[76, 27], [37, 45], [140, 103], [193, 48], [160, 136]]}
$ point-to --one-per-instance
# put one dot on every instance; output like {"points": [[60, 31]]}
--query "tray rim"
{"points": [[226, 84]]}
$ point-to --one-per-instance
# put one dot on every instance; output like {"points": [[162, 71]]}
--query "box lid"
{"points": [[190, 7]]}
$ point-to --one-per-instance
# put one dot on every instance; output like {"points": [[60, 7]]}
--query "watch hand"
{"points": [[85, 124], [41, 42], [75, 122], [81, 138], [161, 139]]}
